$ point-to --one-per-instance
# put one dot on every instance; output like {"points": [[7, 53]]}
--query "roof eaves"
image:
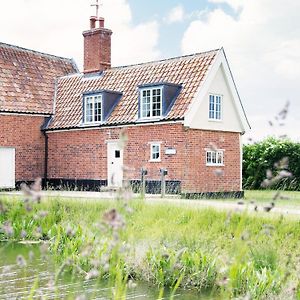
{"points": [[113, 124]]}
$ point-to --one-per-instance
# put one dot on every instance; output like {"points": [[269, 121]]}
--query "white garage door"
{"points": [[7, 167]]}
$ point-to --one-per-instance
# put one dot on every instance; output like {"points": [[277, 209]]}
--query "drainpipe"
{"points": [[45, 160]]}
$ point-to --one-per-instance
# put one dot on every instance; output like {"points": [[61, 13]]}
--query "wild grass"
{"points": [[230, 254]]}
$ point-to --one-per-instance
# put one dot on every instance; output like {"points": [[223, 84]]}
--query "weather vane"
{"points": [[97, 7]]}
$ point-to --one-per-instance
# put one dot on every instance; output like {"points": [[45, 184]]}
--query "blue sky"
{"points": [[261, 39]]}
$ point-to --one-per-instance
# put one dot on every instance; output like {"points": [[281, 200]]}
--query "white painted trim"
{"points": [[151, 152], [203, 90], [115, 126], [151, 102], [93, 96], [215, 105], [215, 164]]}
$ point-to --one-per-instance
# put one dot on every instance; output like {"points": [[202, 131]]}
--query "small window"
{"points": [[215, 158], [117, 154], [93, 109], [215, 107], [155, 152], [151, 103]]}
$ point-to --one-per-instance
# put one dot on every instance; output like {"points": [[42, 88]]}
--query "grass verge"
{"points": [[230, 254]]}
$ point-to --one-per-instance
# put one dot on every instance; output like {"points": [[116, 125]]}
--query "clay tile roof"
{"points": [[27, 79], [187, 71]]}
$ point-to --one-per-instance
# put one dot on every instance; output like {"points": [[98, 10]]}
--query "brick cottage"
{"points": [[181, 114]]}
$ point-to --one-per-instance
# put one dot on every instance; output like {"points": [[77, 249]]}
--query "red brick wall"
{"points": [[201, 178], [82, 154], [23, 133]]}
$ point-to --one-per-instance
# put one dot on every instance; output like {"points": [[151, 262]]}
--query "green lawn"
{"points": [[230, 254]]}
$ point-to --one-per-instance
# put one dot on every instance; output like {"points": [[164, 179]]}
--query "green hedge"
{"points": [[259, 157]]}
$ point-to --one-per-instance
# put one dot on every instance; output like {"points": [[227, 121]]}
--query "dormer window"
{"points": [[156, 100], [98, 106], [93, 109], [151, 102]]}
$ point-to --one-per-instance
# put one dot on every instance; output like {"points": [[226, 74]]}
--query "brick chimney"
{"points": [[97, 47]]}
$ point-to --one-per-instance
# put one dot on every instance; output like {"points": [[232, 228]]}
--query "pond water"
{"points": [[34, 278]]}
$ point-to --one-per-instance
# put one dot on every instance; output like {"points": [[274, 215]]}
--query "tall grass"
{"points": [[230, 254]]}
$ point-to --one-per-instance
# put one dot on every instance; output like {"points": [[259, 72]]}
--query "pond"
{"points": [[24, 274]]}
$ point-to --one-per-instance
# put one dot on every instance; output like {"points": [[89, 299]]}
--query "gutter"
{"points": [[114, 125]]}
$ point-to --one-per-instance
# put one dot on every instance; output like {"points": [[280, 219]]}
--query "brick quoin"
{"points": [[24, 134], [82, 154]]}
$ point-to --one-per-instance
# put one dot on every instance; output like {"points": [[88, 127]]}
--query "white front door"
{"points": [[114, 164], [7, 167]]}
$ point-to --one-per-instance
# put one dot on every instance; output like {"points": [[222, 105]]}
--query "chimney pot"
{"points": [[101, 23], [93, 22]]}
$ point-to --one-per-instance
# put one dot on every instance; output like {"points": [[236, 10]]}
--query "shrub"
{"points": [[263, 156]]}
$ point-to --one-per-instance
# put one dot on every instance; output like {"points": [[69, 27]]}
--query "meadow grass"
{"points": [[231, 254]]}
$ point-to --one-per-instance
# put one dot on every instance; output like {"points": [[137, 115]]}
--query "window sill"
{"points": [[215, 120], [215, 165], [154, 160], [92, 124]]}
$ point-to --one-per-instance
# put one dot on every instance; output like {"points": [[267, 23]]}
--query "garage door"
{"points": [[7, 167]]}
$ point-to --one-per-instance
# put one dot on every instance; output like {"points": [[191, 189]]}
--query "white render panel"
{"points": [[7, 167], [230, 120]]}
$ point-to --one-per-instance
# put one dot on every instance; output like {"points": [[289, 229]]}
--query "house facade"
{"points": [[183, 115]]}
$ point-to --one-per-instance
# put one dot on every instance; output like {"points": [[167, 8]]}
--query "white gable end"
{"points": [[218, 82]]}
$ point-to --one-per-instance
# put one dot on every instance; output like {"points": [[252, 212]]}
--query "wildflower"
{"points": [[8, 229], [70, 232], [43, 214], [131, 284], [81, 297], [23, 234], [284, 174], [92, 274], [21, 262], [31, 255], [113, 219]]}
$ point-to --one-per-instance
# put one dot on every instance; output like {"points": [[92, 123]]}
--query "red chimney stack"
{"points": [[97, 47]]}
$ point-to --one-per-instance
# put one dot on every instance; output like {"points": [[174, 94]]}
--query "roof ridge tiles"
{"points": [[38, 52], [167, 59]]}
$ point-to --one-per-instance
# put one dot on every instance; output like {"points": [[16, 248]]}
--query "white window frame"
{"points": [[155, 144], [93, 98], [151, 89], [214, 154], [214, 110]]}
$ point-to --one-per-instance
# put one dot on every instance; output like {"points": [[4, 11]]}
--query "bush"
{"points": [[265, 155]]}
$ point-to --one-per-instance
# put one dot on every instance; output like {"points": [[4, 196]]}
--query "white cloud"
{"points": [[263, 46], [56, 27], [175, 15]]}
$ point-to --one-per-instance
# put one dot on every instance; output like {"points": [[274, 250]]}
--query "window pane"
{"points": [[208, 157], [156, 102], [218, 107], [145, 105], [155, 152], [89, 109], [214, 157], [211, 106], [220, 157]]}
